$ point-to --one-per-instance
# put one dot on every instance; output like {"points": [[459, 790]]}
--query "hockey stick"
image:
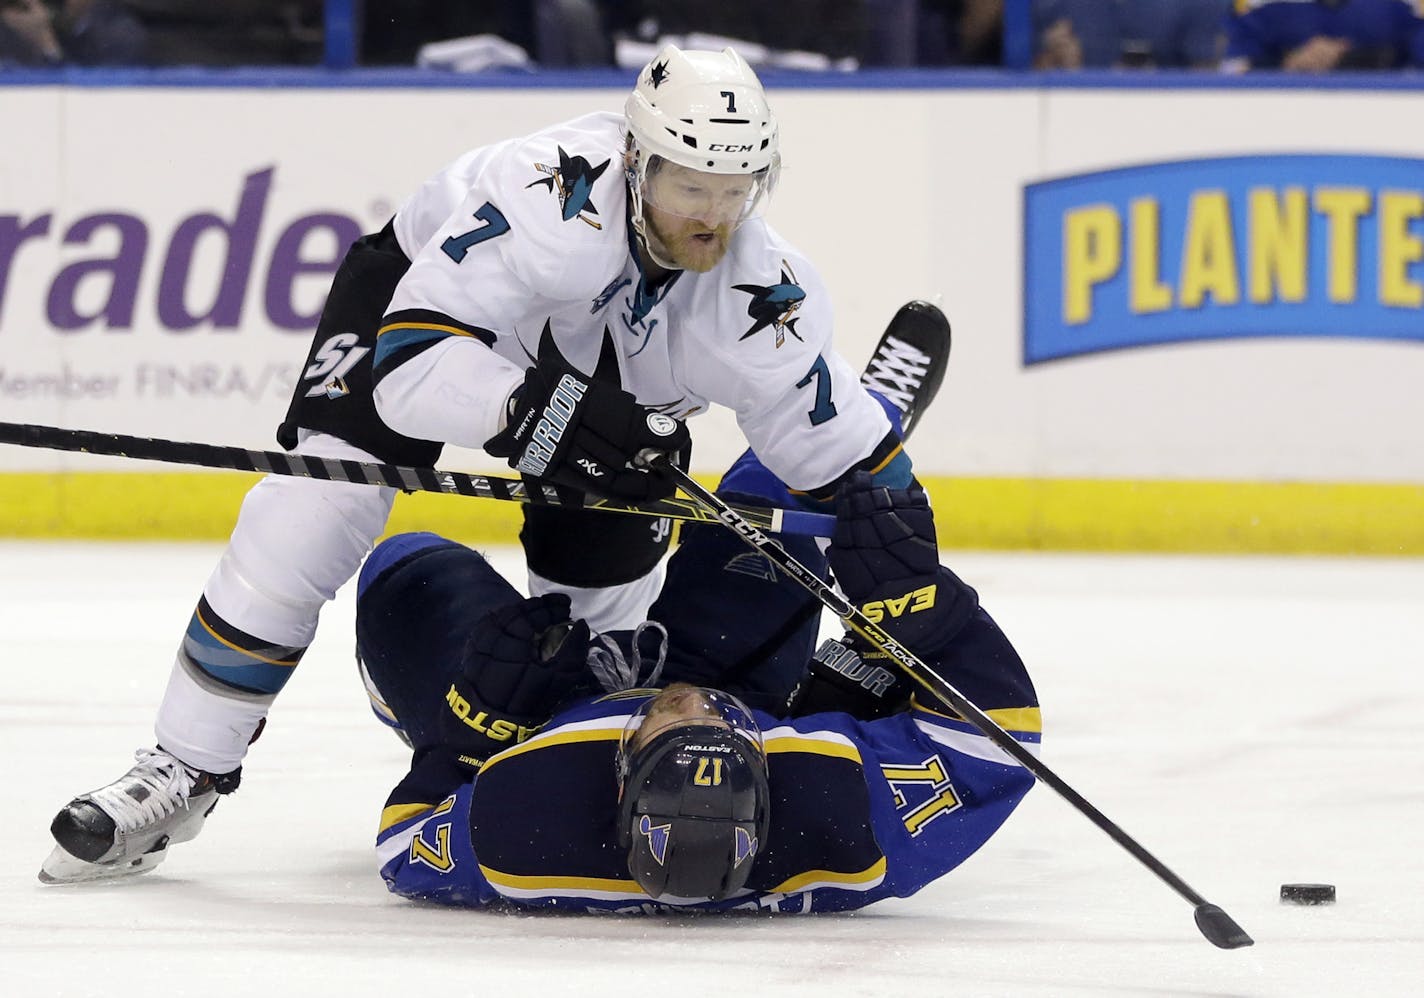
{"points": [[1218, 927], [395, 476]]}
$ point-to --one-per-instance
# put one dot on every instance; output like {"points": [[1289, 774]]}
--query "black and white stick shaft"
{"points": [[1215, 924], [392, 475]]}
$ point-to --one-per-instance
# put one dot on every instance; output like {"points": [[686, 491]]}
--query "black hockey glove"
{"points": [[521, 661], [838, 678], [586, 433], [885, 556]]}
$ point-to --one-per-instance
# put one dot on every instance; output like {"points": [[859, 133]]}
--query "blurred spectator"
{"points": [[573, 32], [557, 33], [27, 35], [231, 32], [1133, 34], [76, 32], [832, 28], [560, 33], [1317, 36], [979, 36], [393, 31], [933, 32]]}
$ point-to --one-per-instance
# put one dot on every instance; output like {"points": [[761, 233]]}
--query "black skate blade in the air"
{"points": [[920, 328]]}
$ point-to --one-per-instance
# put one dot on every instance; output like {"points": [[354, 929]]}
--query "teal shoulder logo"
{"points": [[572, 180], [1252, 246]]}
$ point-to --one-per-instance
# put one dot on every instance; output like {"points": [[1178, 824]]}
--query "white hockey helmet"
{"points": [[705, 111]]}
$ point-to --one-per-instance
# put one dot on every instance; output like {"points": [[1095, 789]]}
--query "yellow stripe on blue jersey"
{"points": [[812, 879], [817, 743], [1025, 719], [1028, 720], [397, 813], [567, 886], [559, 737]]}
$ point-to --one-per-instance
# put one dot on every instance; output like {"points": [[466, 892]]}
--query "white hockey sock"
{"points": [[613, 608]]}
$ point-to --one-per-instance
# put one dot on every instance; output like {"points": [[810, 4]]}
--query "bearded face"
{"points": [[689, 216]]}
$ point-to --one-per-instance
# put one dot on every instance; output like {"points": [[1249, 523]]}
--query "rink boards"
{"points": [[1185, 319]]}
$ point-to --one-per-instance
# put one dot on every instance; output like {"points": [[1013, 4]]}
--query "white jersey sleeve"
{"points": [[532, 234], [427, 208]]}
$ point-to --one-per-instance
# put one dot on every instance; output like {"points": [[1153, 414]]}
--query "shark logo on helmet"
{"points": [[572, 180], [658, 74], [775, 305]]}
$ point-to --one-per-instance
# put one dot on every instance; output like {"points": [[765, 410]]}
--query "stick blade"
{"points": [[1220, 928]]}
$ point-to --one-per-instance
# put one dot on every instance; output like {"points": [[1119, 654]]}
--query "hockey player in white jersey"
{"points": [[564, 300]]}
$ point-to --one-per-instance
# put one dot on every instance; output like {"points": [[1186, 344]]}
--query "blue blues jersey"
{"points": [[860, 811], [1382, 33]]}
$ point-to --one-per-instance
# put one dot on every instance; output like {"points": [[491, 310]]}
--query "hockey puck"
{"points": [[1308, 893]]}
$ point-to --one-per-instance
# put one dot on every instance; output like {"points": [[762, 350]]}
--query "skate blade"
{"points": [[62, 868]]}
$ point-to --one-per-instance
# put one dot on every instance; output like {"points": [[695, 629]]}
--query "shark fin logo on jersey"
{"points": [[774, 306], [658, 74], [746, 846], [572, 180], [657, 838]]}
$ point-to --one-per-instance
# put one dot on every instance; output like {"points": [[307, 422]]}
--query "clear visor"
{"points": [[686, 705], [714, 199]]}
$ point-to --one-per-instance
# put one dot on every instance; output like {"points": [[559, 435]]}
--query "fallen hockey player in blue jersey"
{"points": [[550, 773]]}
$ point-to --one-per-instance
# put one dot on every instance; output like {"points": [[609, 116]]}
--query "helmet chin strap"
{"points": [[640, 225]]}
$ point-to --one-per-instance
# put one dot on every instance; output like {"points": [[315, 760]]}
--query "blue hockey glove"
{"points": [[586, 433], [520, 662], [885, 556]]}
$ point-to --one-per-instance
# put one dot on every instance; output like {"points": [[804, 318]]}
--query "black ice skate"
{"points": [[908, 364], [126, 828]]}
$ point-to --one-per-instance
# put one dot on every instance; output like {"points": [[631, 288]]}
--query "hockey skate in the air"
{"points": [[909, 362], [126, 828]]}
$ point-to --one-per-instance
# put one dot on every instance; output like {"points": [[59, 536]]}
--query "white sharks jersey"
{"points": [[540, 240]]}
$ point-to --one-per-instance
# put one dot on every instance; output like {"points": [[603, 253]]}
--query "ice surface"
{"points": [[1251, 721]]}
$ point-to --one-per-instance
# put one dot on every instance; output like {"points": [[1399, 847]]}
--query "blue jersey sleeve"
{"points": [[938, 790], [426, 853], [944, 789], [423, 844]]}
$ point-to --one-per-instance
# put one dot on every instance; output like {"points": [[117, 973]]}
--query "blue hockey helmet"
{"points": [[694, 804]]}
